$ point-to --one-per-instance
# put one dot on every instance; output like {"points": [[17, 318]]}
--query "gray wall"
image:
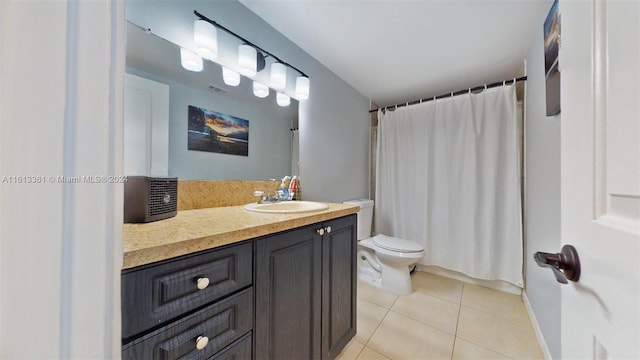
{"points": [[334, 122], [269, 135], [542, 196]]}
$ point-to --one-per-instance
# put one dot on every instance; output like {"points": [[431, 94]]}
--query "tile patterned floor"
{"points": [[442, 319]]}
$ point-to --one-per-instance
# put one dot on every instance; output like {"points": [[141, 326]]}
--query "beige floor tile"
{"points": [[375, 295], [431, 310], [464, 350], [351, 351], [439, 286], [508, 306], [369, 316], [400, 337], [512, 338], [368, 354]]}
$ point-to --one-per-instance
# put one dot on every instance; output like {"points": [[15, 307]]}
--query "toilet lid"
{"points": [[396, 244]]}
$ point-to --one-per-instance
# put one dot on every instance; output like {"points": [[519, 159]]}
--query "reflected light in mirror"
{"points": [[247, 59], [283, 99], [278, 76], [302, 87], [260, 90], [190, 60], [205, 39], [230, 77]]}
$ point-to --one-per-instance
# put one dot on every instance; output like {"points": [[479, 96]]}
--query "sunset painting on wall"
{"points": [[217, 132]]}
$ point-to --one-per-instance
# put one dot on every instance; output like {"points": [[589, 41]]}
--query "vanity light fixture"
{"points": [[251, 60], [190, 60], [302, 87], [260, 90], [230, 77], [205, 39], [247, 60], [283, 99], [278, 76]]}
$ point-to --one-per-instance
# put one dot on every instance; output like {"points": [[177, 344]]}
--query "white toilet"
{"points": [[384, 261]]}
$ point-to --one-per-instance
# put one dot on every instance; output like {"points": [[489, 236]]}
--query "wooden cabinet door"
{"points": [[288, 295], [338, 285]]}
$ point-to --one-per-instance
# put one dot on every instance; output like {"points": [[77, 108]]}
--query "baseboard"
{"points": [[536, 327], [493, 284]]}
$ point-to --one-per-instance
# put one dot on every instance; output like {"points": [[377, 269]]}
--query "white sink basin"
{"points": [[286, 207]]}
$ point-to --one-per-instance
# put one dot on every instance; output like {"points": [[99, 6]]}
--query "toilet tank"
{"points": [[365, 216]]}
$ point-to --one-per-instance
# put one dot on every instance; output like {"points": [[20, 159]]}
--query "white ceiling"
{"points": [[398, 51]]}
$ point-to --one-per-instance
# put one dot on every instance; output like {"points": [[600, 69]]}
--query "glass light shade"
{"points": [[283, 99], [302, 87], [278, 76], [205, 39], [230, 77], [260, 90], [190, 60], [247, 58]]}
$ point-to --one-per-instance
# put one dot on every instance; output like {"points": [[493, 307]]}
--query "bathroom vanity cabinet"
{"points": [[306, 291], [290, 295]]}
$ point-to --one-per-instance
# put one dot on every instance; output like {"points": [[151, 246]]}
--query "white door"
{"points": [[146, 127], [600, 72]]}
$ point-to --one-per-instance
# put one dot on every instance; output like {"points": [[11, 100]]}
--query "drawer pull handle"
{"points": [[320, 232], [201, 342], [328, 229], [202, 284]]}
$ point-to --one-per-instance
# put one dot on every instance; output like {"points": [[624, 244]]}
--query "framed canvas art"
{"points": [[217, 132]]}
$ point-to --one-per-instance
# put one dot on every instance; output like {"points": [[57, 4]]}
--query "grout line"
{"points": [[377, 352], [361, 350], [520, 322], [483, 346], [486, 348], [440, 297], [455, 338], [455, 335], [373, 333]]}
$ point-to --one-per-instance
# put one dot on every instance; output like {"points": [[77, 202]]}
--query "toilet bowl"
{"points": [[384, 261]]}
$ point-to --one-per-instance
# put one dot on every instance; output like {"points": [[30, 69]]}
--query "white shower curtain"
{"points": [[448, 178]]}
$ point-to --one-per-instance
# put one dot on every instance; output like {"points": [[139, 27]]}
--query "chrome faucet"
{"points": [[266, 198]]}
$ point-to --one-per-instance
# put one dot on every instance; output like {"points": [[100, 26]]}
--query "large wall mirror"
{"points": [[158, 94]]}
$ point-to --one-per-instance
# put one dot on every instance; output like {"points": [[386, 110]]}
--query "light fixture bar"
{"points": [[202, 17]]}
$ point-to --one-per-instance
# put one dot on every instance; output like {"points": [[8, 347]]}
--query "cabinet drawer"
{"points": [[222, 323], [241, 349], [154, 295]]}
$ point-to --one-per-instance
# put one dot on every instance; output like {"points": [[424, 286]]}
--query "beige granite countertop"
{"points": [[195, 230]]}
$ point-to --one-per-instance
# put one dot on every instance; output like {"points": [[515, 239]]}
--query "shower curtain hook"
{"points": [[406, 104], [504, 82], [514, 81], [469, 90], [420, 101], [451, 94], [485, 87], [434, 98]]}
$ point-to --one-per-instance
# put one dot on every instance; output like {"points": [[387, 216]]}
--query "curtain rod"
{"points": [[451, 94]]}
